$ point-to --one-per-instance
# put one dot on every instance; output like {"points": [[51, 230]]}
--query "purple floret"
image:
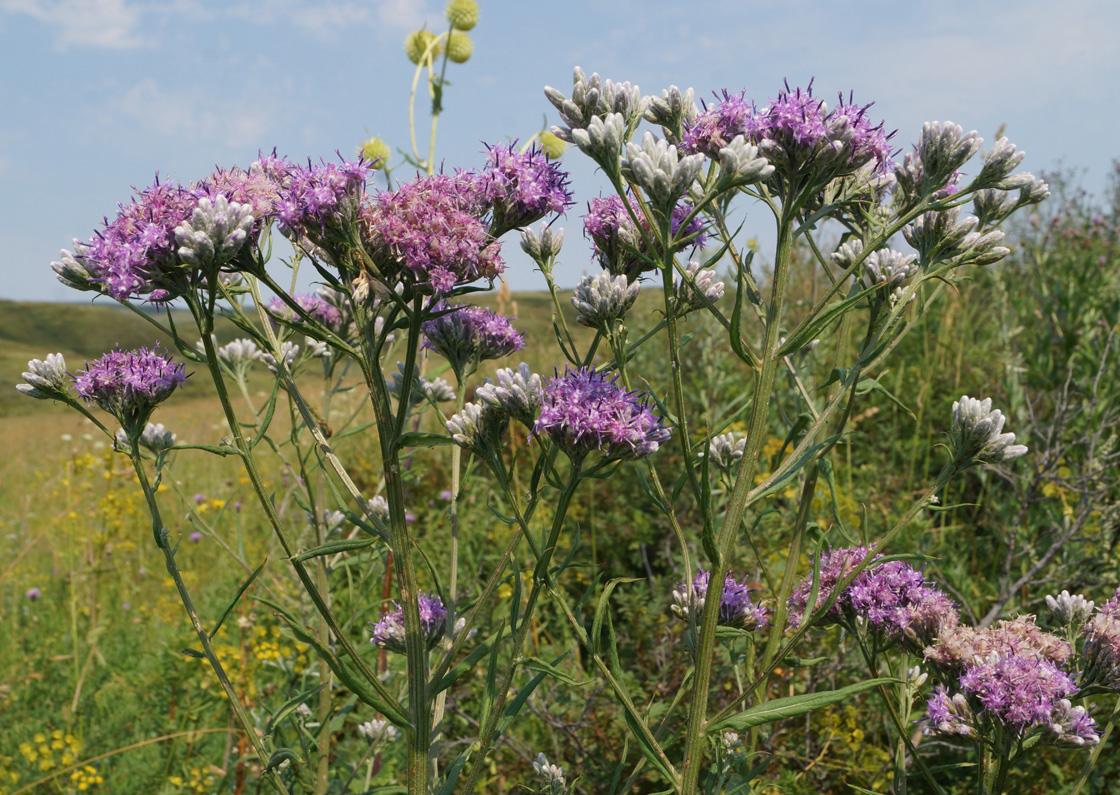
{"points": [[129, 384], [735, 608], [466, 335], [388, 633], [313, 305], [134, 254], [430, 233], [894, 598], [617, 242], [520, 188], [718, 125], [318, 197], [1020, 692], [584, 411]]}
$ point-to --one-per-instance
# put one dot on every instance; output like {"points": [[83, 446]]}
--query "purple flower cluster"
{"points": [[521, 187], [735, 607], [254, 188], [622, 247], [430, 233], [1021, 693], [958, 645], [892, 597], [793, 129], [466, 335], [388, 633], [134, 254], [129, 384], [316, 198], [314, 305], [583, 410], [1102, 646]]}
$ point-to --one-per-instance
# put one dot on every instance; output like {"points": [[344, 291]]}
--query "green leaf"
{"points": [[334, 547], [452, 774], [466, 663], [422, 439], [236, 597], [279, 757], [518, 702], [646, 746], [813, 325], [192, 653], [791, 473], [601, 609], [792, 706], [288, 707]]}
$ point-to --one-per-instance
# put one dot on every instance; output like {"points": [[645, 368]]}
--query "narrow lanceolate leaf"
{"points": [[237, 596], [813, 325], [421, 439], [290, 706], [781, 708], [334, 547]]}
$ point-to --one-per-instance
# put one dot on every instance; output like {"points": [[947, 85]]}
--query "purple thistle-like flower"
{"points": [[314, 198], [1019, 692], [735, 608], [134, 254], [949, 714], [892, 597], [129, 384], [619, 244], [314, 305], [255, 188], [521, 187], [430, 232], [584, 410], [388, 633], [718, 125], [958, 645], [466, 335], [32, 594], [1101, 648]]}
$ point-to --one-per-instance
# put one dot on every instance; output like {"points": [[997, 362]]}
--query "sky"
{"points": [[97, 96]]}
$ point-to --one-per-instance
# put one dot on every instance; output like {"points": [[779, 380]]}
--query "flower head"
{"points": [[1101, 648], [893, 598], [129, 384], [518, 394], [735, 607], [1067, 609], [314, 305], [429, 233], [45, 379], [719, 124], [466, 335], [976, 434], [550, 776], [621, 246], [215, 231], [958, 645], [520, 188], [584, 410], [388, 633], [603, 298], [317, 198], [378, 729]]}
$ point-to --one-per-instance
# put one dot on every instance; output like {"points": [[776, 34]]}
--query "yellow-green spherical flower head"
{"points": [[459, 47], [552, 146], [376, 152], [417, 44], [462, 14]]}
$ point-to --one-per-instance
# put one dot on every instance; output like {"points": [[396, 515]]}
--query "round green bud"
{"points": [[462, 14], [552, 146], [417, 44], [459, 47], [376, 152]]}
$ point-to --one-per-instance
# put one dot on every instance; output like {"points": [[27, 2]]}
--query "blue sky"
{"points": [[99, 95]]}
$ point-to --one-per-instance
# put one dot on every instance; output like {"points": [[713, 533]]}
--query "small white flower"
{"points": [[1069, 609], [378, 729]]}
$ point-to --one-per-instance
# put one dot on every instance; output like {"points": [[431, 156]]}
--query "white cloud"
{"points": [[111, 24], [186, 116]]}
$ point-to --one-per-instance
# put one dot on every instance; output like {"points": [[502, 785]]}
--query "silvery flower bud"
{"points": [[936, 234], [155, 438], [316, 349], [999, 162], [288, 352], [976, 435], [1067, 609], [47, 379], [726, 451], [993, 206], [438, 391], [943, 148], [519, 394], [478, 427], [603, 298], [672, 110], [740, 164], [656, 167], [915, 677], [601, 140], [981, 249], [704, 288], [551, 776], [72, 272], [889, 267], [379, 507], [378, 729], [848, 253], [215, 231], [1034, 193], [542, 246]]}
